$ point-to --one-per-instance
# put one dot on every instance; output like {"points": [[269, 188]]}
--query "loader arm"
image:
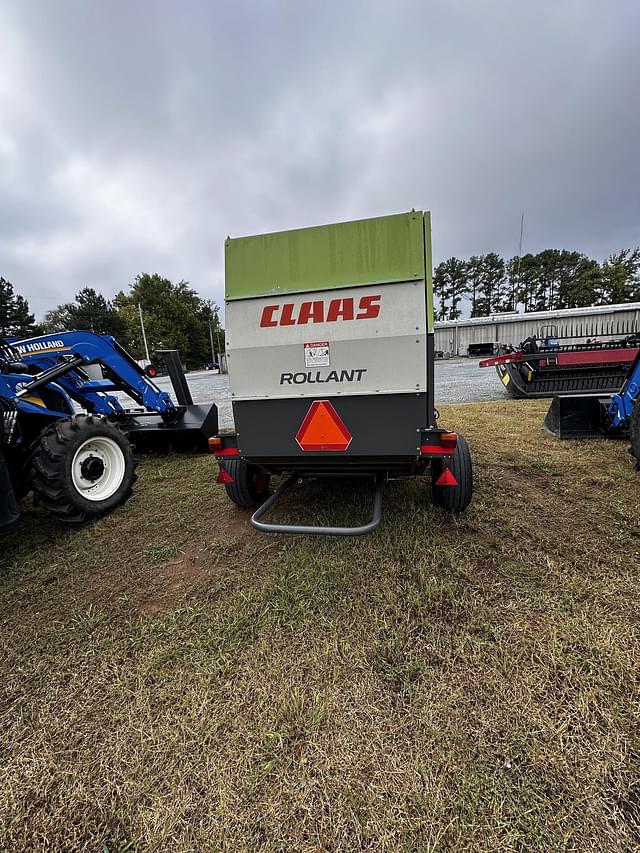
{"points": [[621, 405], [121, 371]]}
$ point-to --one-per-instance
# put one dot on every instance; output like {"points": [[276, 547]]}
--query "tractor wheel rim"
{"points": [[109, 453]]}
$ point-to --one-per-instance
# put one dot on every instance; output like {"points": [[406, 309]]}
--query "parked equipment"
{"points": [[575, 416], [545, 365], [158, 424], [331, 357], [81, 466]]}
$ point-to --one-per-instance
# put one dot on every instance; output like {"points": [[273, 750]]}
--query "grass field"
{"points": [[173, 680]]}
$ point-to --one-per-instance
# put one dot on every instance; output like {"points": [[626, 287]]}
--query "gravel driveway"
{"points": [[458, 380]]}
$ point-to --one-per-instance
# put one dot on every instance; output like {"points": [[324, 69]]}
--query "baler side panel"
{"points": [[347, 254], [363, 354]]}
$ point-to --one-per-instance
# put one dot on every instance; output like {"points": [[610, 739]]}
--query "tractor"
{"points": [[79, 466], [67, 437]]}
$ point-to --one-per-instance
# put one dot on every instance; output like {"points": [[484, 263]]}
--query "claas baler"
{"points": [[329, 335]]}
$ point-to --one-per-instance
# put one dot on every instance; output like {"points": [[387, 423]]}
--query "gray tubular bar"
{"points": [[268, 527]]}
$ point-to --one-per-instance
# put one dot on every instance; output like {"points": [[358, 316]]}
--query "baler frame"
{"points": [[379, 414]]}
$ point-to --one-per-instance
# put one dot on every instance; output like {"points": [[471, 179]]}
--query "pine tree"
{"points": [[620, 275], [578, 280], [474, 279], [495, 286], [440, 292], [15, 317], [512, 268], [450, 286]]}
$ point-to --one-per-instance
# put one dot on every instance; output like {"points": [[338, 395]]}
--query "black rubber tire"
{"points": [[455, 499], [51, 461], [250, 486], [634, 430]]}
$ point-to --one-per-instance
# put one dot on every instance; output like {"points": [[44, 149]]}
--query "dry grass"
{"points": [[174, 681]]}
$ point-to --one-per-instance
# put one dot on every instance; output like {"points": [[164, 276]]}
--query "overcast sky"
{"points": [[136, 134]]}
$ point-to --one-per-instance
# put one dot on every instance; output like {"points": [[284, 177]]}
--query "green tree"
{"points": [[450, 281], [493, 294], [620, 278], [15, 316], [475, 268], [580, 280], [175, 317], [89, 311], [512, 270]]}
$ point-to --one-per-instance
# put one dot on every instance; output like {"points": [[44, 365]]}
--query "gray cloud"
{"points": [[136, 136]]}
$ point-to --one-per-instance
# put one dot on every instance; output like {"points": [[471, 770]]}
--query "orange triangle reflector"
{"points": [[446, 479], [224, 477], [323, 429]]}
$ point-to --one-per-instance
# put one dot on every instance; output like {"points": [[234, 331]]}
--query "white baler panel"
{"points": [[376, 337]]}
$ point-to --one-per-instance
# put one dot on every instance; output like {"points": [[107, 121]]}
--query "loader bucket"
{"points": [[189, 432], [576, 416]]}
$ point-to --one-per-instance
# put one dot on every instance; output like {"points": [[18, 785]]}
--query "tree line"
{"points": [[174, 316], [552, 279]]}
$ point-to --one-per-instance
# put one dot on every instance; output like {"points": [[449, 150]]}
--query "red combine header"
{"points": [[546, 365]]}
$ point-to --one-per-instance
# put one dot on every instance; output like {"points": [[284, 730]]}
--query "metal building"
{"points": [[455, 336]]}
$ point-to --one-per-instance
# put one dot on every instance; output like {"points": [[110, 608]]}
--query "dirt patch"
{"points": [[197, 562]]}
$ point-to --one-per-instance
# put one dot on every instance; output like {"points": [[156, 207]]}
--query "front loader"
{"points": [[591, 415], [80, 464], [157, 423]]}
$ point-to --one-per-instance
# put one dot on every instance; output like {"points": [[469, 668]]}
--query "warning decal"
{"points": [[316, 354]]}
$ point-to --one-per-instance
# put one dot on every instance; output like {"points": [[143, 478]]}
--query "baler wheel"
{"points": [[250, 486], [455, 499]]}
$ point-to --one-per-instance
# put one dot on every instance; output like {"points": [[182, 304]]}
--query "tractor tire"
{"points": [[250, 486], [455, 499], [634, 430], [82, 468]]}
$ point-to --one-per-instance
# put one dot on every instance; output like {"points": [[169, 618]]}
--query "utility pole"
{"points": [[517, 287], [213, 352], [144, 334], [220, 348]]}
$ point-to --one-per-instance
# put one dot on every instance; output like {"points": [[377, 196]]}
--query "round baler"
{"points": [[329, 335]]}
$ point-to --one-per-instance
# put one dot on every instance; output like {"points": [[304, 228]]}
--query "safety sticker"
{"points": [[316, 354]]}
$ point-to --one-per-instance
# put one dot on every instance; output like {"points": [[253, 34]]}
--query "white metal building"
{"points": [[455, 336]]}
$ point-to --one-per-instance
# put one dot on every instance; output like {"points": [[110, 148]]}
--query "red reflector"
{"points": [[224, 477], [323, 429], [446, 479], [446, 445], [449, 439], [227, 451], [436, 450]]}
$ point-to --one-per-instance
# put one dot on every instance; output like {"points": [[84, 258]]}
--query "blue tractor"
{"points": [[588, 415], [68, 435]]}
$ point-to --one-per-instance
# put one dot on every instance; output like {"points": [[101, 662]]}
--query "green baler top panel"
{"points": [[347, 254]]}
